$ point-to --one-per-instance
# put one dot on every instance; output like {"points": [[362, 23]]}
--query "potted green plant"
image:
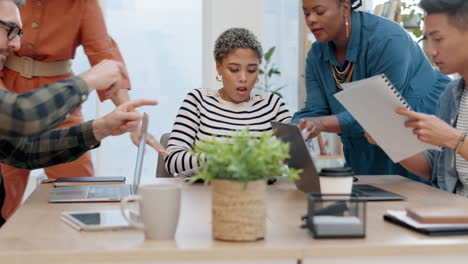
{"points": [[268, 71], [238, 170], [413, 19]]}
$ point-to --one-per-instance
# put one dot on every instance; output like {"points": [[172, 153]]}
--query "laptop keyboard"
{"points": [[112, 191]]}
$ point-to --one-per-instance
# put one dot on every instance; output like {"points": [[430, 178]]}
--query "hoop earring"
{"points": [[346, 26], [219, 78]]}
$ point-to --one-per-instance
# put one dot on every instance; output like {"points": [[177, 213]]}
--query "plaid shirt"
{"points": [[40, 110], [26, 138]]}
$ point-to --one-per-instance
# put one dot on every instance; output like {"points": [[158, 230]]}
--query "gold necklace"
{"points": [[344, 76]]}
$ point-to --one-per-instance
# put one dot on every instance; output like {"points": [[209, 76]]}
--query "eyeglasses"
{"points": [[13, 30]]}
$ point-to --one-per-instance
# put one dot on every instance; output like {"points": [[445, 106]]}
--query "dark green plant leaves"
{"points": [[244, 157]]}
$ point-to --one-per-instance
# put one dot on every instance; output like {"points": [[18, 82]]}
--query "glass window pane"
{"points": [[161, 44], [281, 31]]}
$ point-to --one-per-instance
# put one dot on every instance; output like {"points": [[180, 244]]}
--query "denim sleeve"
{"points": [[347, 122], [316, 103], [431, 156]]}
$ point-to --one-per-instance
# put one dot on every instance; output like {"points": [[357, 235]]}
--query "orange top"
{"points": [[53, 29]]}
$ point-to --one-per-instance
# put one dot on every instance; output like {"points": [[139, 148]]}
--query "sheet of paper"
{"points": [[372, 102]]}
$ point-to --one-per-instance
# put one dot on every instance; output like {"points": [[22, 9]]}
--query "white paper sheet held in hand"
{"points": [[372, 102]]}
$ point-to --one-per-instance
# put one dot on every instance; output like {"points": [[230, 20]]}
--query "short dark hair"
{"points": [[235, 38], [457, 11]]}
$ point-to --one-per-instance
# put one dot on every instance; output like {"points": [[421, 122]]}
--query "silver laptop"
{"points": [[111, 192], [309, 179]]}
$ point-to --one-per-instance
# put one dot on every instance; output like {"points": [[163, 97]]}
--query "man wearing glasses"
{"points": [[25, 120], [13, 32], [53, 30]]}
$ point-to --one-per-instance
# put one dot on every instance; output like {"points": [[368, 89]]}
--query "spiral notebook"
{"points": [[372, 102]]}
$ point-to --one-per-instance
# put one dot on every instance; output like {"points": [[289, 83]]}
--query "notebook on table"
{"points": [[438, 214], [372, 102], [434, 229], [309, 180], [110, 192]]}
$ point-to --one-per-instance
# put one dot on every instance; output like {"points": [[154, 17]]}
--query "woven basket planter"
{"points": [[238, 210]]}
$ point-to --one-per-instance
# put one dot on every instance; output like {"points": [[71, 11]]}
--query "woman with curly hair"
{"points": [[223, 112], [353, 45]]}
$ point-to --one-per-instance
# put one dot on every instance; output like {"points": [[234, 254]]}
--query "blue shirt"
{"points": [[444, 172], [376, 45]]}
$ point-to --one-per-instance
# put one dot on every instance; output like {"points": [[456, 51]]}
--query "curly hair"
{"points": [[457, 11], [235, 38]]}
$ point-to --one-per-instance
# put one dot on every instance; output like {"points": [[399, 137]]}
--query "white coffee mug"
{"points": [[159, 209]]}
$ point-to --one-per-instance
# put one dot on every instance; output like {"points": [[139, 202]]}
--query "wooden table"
{"points": [[35, 234]]}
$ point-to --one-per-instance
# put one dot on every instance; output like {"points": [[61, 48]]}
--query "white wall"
{"points": [[219, 15]]}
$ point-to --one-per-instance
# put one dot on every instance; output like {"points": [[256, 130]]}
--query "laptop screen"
{"points": [[141, 153], [299, 156], [309, 179]]}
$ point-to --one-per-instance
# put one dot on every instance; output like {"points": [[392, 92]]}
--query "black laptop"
{"points": [[309, 179]]}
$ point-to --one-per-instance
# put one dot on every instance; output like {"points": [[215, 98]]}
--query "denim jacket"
{"points": [[444, 173]]}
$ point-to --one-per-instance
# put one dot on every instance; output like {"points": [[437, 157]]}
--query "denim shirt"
{"points": [[444, 173], [376, 45]]}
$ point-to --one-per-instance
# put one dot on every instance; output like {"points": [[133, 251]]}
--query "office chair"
{"points": [[161, 171]]}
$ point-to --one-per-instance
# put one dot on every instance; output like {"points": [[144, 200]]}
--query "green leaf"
{"points": [[277, 93], [276, 71], [269, 53], [418, 33], [246, 156], [270, 72]]}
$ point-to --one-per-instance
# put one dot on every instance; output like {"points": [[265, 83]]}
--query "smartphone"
{"points": [[95, 220]]}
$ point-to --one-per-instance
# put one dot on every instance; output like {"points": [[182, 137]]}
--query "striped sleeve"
{"points": [[282, 114], [183, 136], [41, 109]]}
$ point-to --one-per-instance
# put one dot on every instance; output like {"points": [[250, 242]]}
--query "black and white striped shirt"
{"points": [[204, 113]]}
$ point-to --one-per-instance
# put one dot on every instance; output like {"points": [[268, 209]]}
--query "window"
{"points": [[281, 24], [161, 44]]}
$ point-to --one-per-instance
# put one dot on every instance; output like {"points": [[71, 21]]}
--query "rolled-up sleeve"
{"points": [[347, 122], [316, 103], [97, 43]]}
